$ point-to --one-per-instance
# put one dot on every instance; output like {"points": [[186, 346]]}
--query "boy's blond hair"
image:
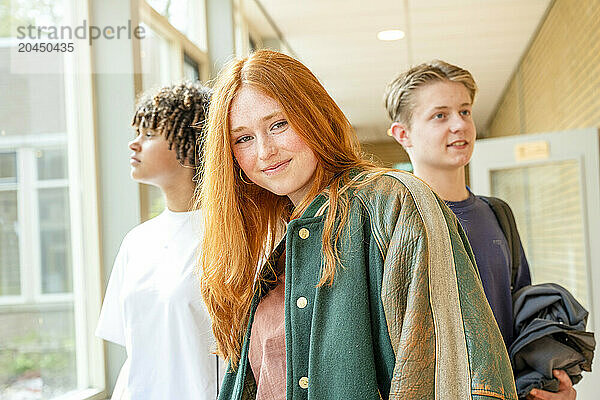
{"points": [[399, 94]]}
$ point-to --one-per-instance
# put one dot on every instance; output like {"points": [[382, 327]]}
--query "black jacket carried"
{"points": [[550, 334]]}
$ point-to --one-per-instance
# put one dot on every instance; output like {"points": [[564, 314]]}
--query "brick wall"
{"points": [[557, 84]]}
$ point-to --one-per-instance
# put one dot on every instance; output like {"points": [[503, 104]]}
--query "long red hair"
{"points": [[241, 220]]}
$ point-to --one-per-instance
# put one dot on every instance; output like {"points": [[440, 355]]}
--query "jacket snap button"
{"points": [[304, 233], [301, 302], [303, 382]]}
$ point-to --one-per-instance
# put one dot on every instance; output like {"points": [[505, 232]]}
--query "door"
{"points": [[551, 181]]}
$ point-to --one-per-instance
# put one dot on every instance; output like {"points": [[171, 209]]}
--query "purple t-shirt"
{"points": [[493, 259]]}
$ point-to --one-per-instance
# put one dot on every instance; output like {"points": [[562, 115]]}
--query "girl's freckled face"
{"points": [[267, 148]]}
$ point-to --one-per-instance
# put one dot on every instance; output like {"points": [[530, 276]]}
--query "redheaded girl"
{"points": [[371, 293]]}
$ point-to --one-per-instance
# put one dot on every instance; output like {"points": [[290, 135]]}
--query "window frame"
{"points": [[7, 300], [179, 43], [27, 187]]}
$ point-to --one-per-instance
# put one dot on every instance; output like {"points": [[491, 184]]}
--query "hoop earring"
{"points": [[187, 166], [243, 180]]}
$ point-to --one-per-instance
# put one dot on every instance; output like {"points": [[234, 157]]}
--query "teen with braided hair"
{"points": [[153, 305]]}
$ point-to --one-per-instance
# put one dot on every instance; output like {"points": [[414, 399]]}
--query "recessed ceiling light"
{"points": [[390, 34]]}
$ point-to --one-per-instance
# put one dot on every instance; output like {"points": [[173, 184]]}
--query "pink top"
{"points": [[267, 345]]}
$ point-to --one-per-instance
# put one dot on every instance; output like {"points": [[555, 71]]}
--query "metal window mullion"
{"points": [[52, 184], [10, 300], [37, 140], [29, 249], [36, 227], [55, 297], [8, 187]]}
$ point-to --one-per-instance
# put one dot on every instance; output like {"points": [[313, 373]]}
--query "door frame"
{"points": [[583, 145]]}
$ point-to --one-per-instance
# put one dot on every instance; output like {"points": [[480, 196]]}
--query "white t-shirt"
{"points": [[154, 308]]}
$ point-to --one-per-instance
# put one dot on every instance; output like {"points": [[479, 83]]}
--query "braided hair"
{"points": [[178, 113]]}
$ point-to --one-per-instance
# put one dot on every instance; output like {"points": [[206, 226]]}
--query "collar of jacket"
{"points": [[314, 212], [268, 280], [313, 208], [318, 206]]}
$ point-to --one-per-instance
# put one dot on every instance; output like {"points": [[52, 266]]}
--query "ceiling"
{"points": [[337, 40]]}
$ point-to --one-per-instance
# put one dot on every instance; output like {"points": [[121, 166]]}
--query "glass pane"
{"points": [[8, 167], [190, 69], [30, 102], [10, 274], [156, 60], [188, 17], [30, 12], [22, 107], [547, 204], [55, 241], [37, 355], [37, 341], [52, 163], [156, 201]]}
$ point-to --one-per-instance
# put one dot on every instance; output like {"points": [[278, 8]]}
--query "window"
{"points": [[45, 346], [38, 348], [36, 302], [157, 59], [548, 206], [42, 180], [187, 16], [36, 260]]}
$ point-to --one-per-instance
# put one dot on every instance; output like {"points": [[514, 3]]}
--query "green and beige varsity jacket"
{"points": [[406, 316]]}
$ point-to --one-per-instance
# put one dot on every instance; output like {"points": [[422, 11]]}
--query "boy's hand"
{"points": [[565, 389]]}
